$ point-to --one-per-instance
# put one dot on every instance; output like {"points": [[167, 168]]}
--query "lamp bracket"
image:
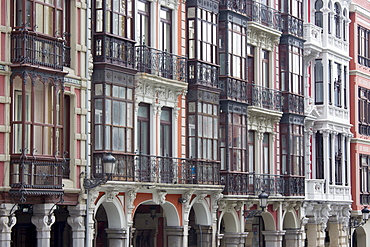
{"points": [[252, 213], [94, 182]]}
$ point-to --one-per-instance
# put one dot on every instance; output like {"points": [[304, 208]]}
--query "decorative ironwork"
{"points": [[203, 74], [233, 89], [254, 184], [238, 6], [264, 15], [161, 63], [160, 169], [293, 103], [114, 50], [29, 48], [292, 25], [266, 98]]}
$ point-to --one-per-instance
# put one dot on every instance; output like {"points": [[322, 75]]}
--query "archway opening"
{"points": [[101, 223], [61, 231], [24, 232]]}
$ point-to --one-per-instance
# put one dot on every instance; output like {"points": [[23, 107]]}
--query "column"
{"points": [[43, 219], [315, 236], [77, 222], [273, 238], [204, 236], [293, 237], [116, 237], [235, 239], [174, 235], [7, 221]]}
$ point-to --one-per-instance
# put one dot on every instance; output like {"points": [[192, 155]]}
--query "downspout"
{"points": [[87, 126]]}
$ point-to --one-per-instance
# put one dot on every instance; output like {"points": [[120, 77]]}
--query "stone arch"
{"points": [[230, 222], [114, 211], [203, 216], [290, 220], [269, 221], [360, 237], [172, 215]]}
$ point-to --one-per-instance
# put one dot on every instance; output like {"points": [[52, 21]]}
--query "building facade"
{"points": [[162, 123]]}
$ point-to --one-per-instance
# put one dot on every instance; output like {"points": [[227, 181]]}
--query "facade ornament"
{"points": [[131, 196], [200, 197], [162, 197], [238, 206]]}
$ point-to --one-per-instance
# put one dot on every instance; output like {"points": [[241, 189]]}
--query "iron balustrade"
{"points": [[292, 25], [28, 174], [203, 74], [293, 103], [262, 14], [160, 169], [253, 184], [234, 89], [161, 63], [34, 49], [239, 6], [109, 49], [263, 97]]}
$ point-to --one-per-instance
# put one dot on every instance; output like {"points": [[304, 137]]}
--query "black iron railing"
{"points": [[239, 6], [264, 15], [203, 74], [33, 174], [263, 97], [159, 169], [293, 103], [161, 63], [254, 184], [114, 50], [292, 25], [34, 49], [234, 89]]}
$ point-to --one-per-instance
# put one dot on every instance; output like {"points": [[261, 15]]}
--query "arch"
{"points": [[114, 210], [269, 221], [290, 220], [318, 13], [202, 215], [230, 222], [360, 237], [172, 216]]}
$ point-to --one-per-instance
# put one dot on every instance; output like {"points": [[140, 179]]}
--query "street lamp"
{"points": [[354, 222], [263, 204], [109, 165]]}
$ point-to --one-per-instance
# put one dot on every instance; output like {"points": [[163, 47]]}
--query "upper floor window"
{"points": [[143, 134], [338, 159], [238, 147], [166, 132], [364, 174], [291, 69], [319, 143], [250, 64], [237, 50], [251, 150], [265, 68], [143, 22], [266, 153], [364, 111], [363, 35], [319, 87], [318, 13], [114, 17], [338, 86], [337, 17], [165, 38], [292, 149]]}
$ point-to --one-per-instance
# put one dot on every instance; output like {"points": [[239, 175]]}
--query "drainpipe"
{"points": [[87, 126]]}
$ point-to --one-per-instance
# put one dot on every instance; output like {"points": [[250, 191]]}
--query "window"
{"points": [[337, 18], [345, 86], [113, 121], [266, 153], [344, 26], [292, 79], [364, 111], [296, 8], [37, 122], [250, 63], [143, 129], [114, 17], [319, 156], [329, 18], [265, 68], [143, 10], [292, 149], [330, 85], [319, 87], [237, 50], [363, 46], [364, 174], [166, 132], [237, 142], [318, 13], [251, 150], [338, 159], [330, 158], [165, 30], [338, 87]]}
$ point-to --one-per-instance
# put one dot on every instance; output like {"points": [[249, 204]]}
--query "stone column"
{"points": [[315, 236], [293, 237], [273, 238], [43, 219], [77, 221], [232, 239], [116, 237], [7, 221], [204, 236], [175, 235]]}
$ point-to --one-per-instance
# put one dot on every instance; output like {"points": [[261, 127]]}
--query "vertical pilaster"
{"points": [[77, 221], [315, 236], [117, 237], [43, 219]]}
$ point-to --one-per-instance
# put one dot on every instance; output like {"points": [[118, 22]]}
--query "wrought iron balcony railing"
{"points": [[264, 15], [203, 74], [266, 98], [34, 49], [234, 89], [159, 169], [293, 103], [30, 175], [239, 6], [254, 184], [161, 63], [292, 25], [114, 50]]}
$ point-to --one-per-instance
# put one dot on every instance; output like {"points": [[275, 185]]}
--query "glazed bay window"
{"points": [[363, 35], [113, 121], [37, 122], [364, 111], [319, 144], [365, 177], [237, 50], [237, 142], [338, 86], [292, 68], [338, 159], [292, 149], [319, 87]]}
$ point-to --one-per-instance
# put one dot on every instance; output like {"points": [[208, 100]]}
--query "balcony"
{"points": [[161, 63], [203, 74], [234, 89], [159, 169], [292, 25], [239, 6], [254, 184], [263, 15], [293, 103], [263, 97], [31, 49], [37, 176], [114, 50]]}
